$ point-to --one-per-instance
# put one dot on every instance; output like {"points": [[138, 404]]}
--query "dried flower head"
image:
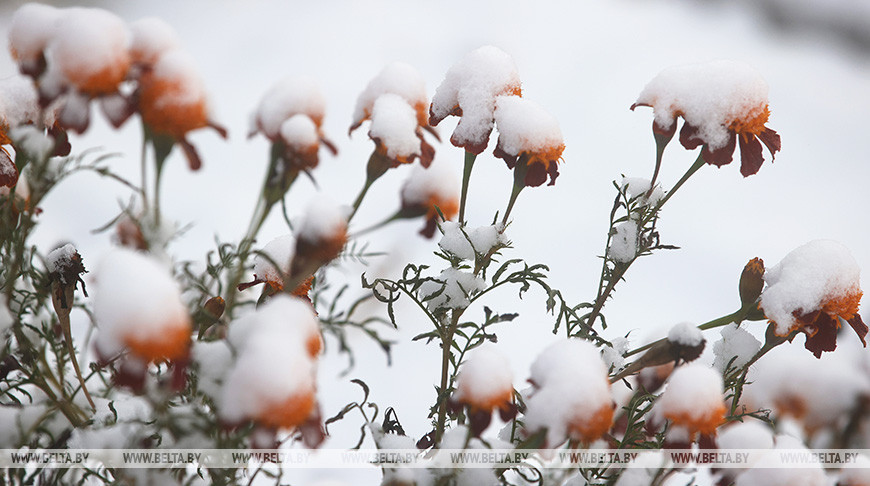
{"points": [[528, 135], [469, 91], [812, 290], [428, 189], [722, 103]]}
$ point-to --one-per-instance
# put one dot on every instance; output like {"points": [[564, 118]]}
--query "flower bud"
{"points": [[751, 282]]}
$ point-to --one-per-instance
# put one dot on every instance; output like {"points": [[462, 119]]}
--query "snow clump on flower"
{"points": [[571, 397], [736, 343], [399, 79], [693, 402]]}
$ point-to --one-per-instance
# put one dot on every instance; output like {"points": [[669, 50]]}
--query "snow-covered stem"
{"points": [[466, 177]]}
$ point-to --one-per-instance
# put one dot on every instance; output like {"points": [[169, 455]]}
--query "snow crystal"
{"points": [[458, 287], [710, 97], [280, 250], [484, 378], [614, 355], [639, 187], [736, 343], [89, 43], [394, 125], [572, 386], [805, 278], [299, 132], [693, 391], [472, 85], [272, 363], [32, 27], [286, 98], [480, 240], [396, 78], [134, 298], [437, 183], [751, 434], [61, 258], [151, 37], [623, 243], [686, 334], [523, 126], [323, 220]]}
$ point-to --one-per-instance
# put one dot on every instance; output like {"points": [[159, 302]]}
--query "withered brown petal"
{"points": [[429, 228], [536, 175], [191, 154], [771, 139], [860, 328], [8, 170], [689, 137], [750, 155], [721, 156], [825, 338], [428, 153]]}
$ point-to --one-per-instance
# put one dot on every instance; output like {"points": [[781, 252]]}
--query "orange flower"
{"points": [[484, 385], [428, 189], [172, 102], [528, 135], [822, 325], [172, 343], [693, 402], [587, 428], [289, 413], [704, 423]]}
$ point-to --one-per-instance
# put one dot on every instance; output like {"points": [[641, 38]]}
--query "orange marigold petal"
{"points": [[172, 343], [289, 413], [589, 428]]}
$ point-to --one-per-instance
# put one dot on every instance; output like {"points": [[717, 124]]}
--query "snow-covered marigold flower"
{"points": [[272, 381], [290, 114], [137, 305], [813, 290], [321, 235], [428, 189], [396, 103], [528, 135], [279, 251], [571, 396], [723, 103], [693, 402], [484, 386], [469, 91], [150, 38], [172, 101]]}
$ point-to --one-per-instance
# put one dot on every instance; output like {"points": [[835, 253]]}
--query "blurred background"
{"points": [[584, 62]]}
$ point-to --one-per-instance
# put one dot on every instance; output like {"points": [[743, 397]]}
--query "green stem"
{"points": [[699, 162], [718, 322], [376, 167], [446, 346], [466, 177]]}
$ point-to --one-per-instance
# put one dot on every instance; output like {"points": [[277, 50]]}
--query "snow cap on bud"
{"points": [[138, 307], [687, 341], [321, 235], [693, 402]]}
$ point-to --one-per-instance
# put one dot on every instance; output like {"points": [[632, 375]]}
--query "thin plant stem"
{"points": [[466, 177]]}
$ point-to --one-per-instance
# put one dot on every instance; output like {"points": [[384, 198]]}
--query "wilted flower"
{"points": [[528, 135], [693, 402], [484, 385], [722, 103], [321, 235], [428, 189], [469, 91], [812, 290], [280, 251], [172, 102], [572, 398]]}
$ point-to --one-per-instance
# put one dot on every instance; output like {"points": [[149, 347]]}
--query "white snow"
{"points": [[614, 355], [458, 287], [281, 251], [176, 67], [324, 220], [272, 363], [33, 25], [135, 298], [623, 243], [693, 392], [213, 360], [480, 240], [396, 78], [151, 37], [751, 434], [572, 390], [90, 43], [736, 342], [18, 102], [434, 185], [709, 96], [472, 85], [60, 259], [810, 474], [299, 132], [394, 125], [33, 141], [485, 379], [288, 97], [525, 127], [807, 277], [686, 334], [638, 186]]}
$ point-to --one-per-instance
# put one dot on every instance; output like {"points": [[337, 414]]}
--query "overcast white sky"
{"points": [[585, 62]]}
